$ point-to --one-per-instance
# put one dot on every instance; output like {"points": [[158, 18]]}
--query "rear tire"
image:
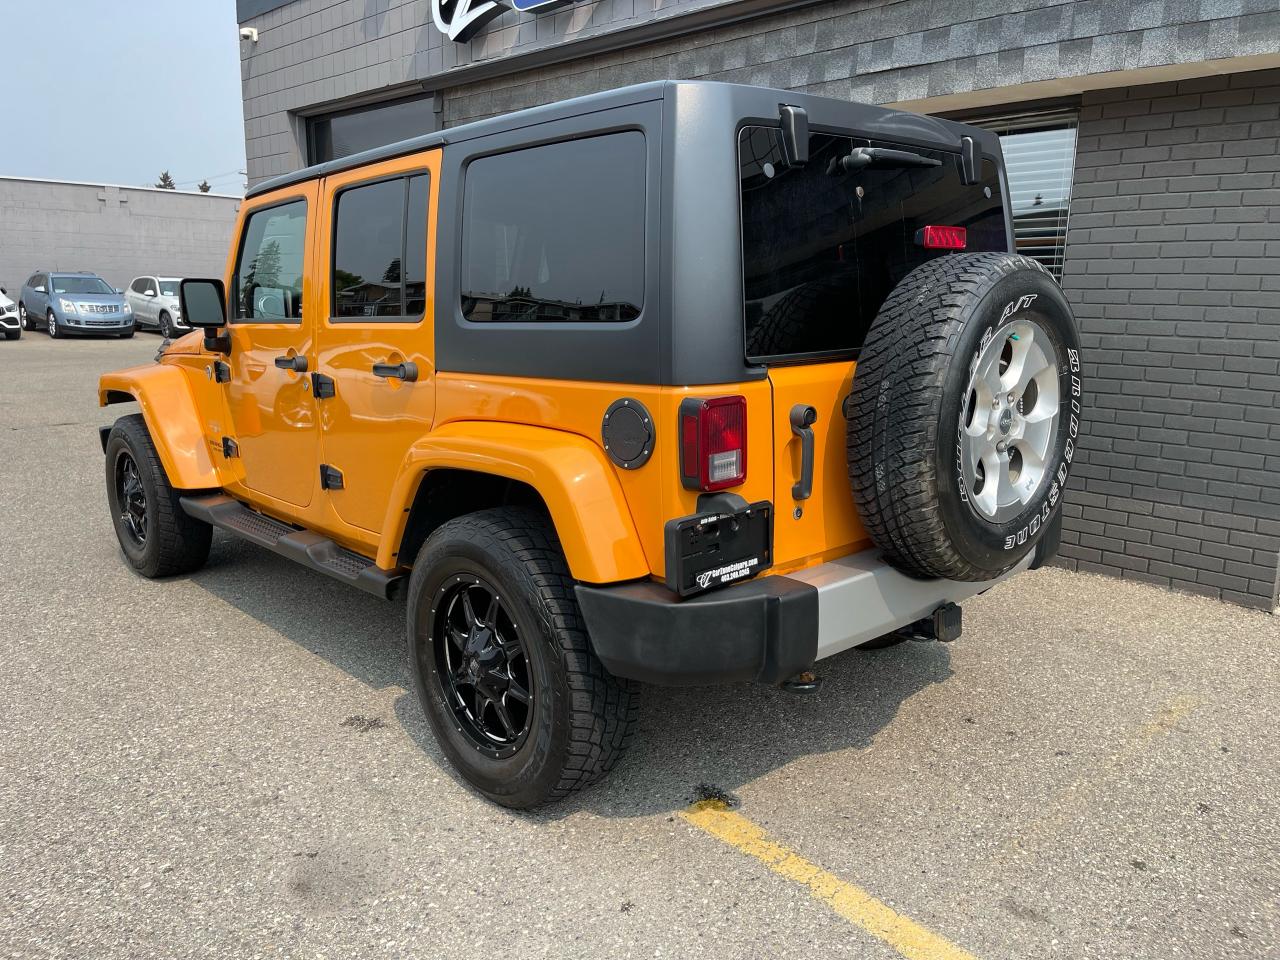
{"points": [[964, 415], [156, 535], [577, 720]]}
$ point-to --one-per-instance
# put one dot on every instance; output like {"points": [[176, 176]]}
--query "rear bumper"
{"points": [[768, 629]]}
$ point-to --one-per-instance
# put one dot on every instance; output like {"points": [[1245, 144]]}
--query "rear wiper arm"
{"points": [[862, 157]]}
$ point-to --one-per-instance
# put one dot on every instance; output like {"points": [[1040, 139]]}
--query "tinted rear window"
{"points": [[822, 249], [556, 233]]}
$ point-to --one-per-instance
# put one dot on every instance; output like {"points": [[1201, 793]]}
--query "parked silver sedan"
{"points": [[155, 305]]}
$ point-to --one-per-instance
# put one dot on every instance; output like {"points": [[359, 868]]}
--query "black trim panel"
{"points": [[764, 630], [307, 548]]}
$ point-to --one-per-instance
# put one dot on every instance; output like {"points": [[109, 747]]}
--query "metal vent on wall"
{"points": [[1040, 157]]}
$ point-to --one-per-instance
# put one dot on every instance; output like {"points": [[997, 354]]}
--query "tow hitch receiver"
{"points": [[944, 625]]}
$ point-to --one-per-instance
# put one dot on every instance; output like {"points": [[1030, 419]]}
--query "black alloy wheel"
{"points": [[132, 498], [482, 665]]}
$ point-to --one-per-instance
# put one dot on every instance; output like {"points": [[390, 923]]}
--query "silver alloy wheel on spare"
{"points": [[1009, 421]]}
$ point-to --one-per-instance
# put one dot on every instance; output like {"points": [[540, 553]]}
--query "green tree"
{"points": [[265, 269], [166, 182]]}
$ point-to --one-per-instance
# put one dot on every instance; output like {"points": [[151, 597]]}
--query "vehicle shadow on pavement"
{"points": [[691, 741]]}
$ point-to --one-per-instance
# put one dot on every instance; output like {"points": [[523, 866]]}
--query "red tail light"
{"points": [[713, 442], [942, 238]]}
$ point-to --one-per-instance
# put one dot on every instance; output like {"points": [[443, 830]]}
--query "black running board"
{"points": [[307, 548]]}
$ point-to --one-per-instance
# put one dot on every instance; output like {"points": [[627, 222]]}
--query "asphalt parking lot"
{"points": [[228, 765]]}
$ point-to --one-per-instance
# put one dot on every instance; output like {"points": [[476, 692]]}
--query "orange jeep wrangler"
{"points": [[678, 384]]}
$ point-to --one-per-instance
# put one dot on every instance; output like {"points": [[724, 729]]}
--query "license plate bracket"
{"points": [[709, 550]]}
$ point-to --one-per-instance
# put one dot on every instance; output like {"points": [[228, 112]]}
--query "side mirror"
{"points": [[119, 291], [204, 305], [40, 289], [149, 293], [4, 291]]}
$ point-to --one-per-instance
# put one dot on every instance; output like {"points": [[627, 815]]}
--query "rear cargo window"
{"points": [[823, 248], [556, 233]]}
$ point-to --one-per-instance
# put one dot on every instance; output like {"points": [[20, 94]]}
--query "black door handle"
{"points": [[407, 371], [803, 417], [297, 363]]}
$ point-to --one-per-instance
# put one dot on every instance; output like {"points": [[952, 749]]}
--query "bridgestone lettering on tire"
{"points": [[945, 404]]}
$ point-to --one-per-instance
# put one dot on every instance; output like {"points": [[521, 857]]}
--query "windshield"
{"points": [[169, 288], [80, 285], [823, 245]]}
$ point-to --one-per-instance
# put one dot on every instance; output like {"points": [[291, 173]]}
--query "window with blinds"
{"points": [[1040, 156]]}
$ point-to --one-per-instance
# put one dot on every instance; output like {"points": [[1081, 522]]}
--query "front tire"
{"points": [[23, 322], [166, 326], [503, 667], [13, 334], [156, 535], [51, 326]]}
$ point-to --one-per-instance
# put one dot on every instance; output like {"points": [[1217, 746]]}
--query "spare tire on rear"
{"points": [[964, 415]]}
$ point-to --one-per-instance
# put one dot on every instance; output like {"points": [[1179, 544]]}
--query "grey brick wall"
{"points": [[313, 52], [1173, 267], [117, 232]]}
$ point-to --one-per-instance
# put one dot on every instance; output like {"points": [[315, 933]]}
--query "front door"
{"points": [[376, 338], [271, 307]]}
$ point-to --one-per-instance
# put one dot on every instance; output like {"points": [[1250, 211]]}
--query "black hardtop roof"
{"points": [[624, 96], [731, 96]]}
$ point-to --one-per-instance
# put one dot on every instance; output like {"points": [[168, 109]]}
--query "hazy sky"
{"points": [[115, 92]]}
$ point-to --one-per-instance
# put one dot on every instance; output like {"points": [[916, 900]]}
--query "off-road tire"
{"points": [[176, 543], [909, 390], [583, 718]]}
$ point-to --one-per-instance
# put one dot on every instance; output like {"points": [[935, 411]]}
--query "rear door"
{"points": [[822, 249], [38, 296], [377, 329]]}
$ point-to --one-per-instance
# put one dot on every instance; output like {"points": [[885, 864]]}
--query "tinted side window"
{"points": [[556, 233], [823, 248], [380, 251], [267, 286], [139, 285]]}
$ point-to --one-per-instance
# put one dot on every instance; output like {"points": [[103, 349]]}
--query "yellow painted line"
{"points": [[850, 902], [1070, 803]]}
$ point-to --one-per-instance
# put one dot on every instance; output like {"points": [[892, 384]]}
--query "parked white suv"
{"points": [[155, 304], [9, 323]]}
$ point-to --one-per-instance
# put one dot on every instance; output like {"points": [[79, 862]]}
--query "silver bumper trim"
{"points": [[861, 597]]}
